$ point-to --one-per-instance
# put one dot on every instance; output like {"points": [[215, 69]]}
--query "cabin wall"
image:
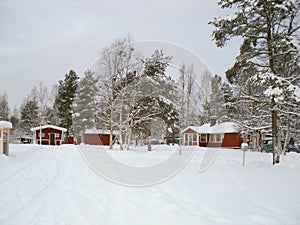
{"points": [[232, 140], [97, 139]]}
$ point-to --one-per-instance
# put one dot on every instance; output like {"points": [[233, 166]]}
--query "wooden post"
{"points": [[1, 141], [6, 152]]}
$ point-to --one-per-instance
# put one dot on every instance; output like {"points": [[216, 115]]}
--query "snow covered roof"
{"points": [[225, 127], [100, 131], [5, 124], [195, 128], [48, 126]]}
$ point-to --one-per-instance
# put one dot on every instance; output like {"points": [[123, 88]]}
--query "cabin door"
{"points": [[190, 139], [52, 139]]}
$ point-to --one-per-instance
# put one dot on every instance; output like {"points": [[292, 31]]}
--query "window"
{"points": [[42, 134], [203, 137], [194, 137], [57, 135], [216, 138], [190, 138]]}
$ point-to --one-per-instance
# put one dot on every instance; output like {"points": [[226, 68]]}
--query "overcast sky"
{"points": [[40, 41]]}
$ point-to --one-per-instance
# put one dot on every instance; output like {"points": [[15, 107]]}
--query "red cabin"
{"points": [[48, 135], [226, 134]]}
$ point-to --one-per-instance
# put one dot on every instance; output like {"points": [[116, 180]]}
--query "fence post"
{"points": [[244, 149]]}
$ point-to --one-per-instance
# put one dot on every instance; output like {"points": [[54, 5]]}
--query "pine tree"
{"points": [[157, 100], [269, 52], [29, 116], [15, 120], [84, 106], [64, 100], [4, 108], [215, 105]]}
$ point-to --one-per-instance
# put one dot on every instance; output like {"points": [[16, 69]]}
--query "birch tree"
{"points": [[114, 63]]}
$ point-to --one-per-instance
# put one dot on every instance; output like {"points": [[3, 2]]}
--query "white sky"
{"points": [[40, 41]]}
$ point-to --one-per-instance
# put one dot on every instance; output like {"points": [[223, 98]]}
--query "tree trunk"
{"points": [[273, 103], [286, 139], [129, 135], [149, 137], [110, 137], [173, 137], [279, 138], [274, 137], [67, 137], [83, 136], [120, 126]]}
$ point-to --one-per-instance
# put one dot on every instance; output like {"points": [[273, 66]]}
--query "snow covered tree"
{"points": [[157, 100], [15, 120], [84, 105], [269, 50], [114, 67], [41, 96], [64, 100], [51, 112], [216, 99], [186, 91], [149, 108], [29, 116], [4, 108], [228, 97], [251, 112]]}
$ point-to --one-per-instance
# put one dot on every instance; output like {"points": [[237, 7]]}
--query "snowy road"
{"points": [[54, 185]]}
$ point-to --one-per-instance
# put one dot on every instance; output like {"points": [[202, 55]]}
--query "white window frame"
{"points": [[213, 138]]}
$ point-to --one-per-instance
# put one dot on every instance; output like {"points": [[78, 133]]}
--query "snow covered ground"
{"points": [[42, 185]]}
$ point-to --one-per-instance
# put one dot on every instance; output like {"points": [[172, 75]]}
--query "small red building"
{"points": [[97, 137], [48, 135], [226, 134]]}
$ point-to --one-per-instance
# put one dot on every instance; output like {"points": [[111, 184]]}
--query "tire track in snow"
{"points": [[73, 195], [108, 191], [19, 196], [68, 194], [23, 168]]}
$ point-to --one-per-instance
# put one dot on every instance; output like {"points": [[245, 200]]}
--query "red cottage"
{"points": [[226, 134], [48, 135]]}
